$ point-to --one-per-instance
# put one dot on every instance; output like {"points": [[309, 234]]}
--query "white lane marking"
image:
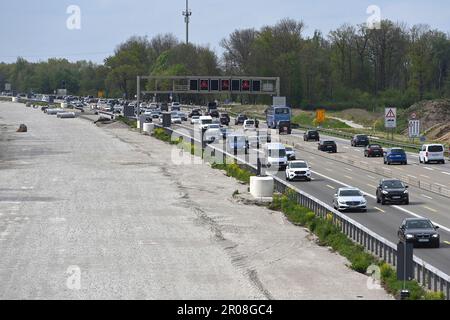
{"points": [[447, 242], [409, 175], [440, 185], [447, 173], [373, 197], [369, 185], [428, 168], [328, 169], [331, 187], [369, 176], [381, 210], [425, 196], [431, 209], [422, 175], [348, 169], [346, 147], [348, 177]]}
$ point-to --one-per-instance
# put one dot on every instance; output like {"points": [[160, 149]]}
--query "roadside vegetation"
{"points": [[128, 122], [330, 235]]}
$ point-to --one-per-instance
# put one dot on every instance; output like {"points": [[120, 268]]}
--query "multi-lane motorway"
{"points": [[330, 174]]}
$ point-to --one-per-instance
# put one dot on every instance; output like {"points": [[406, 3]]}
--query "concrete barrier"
{"points": [[148, 127], [261, 187]]}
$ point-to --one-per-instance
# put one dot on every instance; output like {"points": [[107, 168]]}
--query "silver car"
{"points": [[349, 199]]}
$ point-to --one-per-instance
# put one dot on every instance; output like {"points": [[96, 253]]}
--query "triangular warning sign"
{"points": [[390, 114]]}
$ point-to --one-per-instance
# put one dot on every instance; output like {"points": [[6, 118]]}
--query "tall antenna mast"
{"points": [[187, 17]]}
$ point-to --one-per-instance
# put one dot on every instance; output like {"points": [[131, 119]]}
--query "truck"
{"points": [[278, 115]]}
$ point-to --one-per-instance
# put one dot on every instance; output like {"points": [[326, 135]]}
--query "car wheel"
{"points": [[407, 202], [378, 200], [383, 202]]}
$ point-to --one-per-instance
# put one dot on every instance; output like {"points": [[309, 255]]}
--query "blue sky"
{"points": [[36, 29]]}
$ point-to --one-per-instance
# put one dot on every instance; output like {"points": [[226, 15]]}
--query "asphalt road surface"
{"points": [[102, 213]]}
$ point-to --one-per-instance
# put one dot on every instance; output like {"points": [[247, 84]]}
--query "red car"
{"points": [[373, 150]]}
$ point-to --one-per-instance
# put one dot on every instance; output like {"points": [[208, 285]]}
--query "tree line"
{"points": [[352, 66]]}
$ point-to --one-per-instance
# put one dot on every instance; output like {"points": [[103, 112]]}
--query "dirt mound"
{"points": [[435, 118]]}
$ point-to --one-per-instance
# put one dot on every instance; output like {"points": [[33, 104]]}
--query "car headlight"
{"points": [[385, 192], [406, 192], [435, 236], [364, 201], [409, 236], [341, 202]]}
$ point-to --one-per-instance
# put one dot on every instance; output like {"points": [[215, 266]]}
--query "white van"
{"points": [[205, 121], [249, 125], [432, 153], [276, 155]]}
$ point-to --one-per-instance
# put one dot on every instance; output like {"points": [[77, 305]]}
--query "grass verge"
{"points": [[128, 122], [330, 235]]}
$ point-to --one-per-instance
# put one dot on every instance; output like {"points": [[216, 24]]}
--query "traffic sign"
{"points": [[320, 116], [414, 128], [390, 118]]}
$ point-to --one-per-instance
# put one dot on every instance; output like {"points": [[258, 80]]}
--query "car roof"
{"points": [[348, 189]]}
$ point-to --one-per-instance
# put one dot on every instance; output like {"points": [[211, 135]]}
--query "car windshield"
{"points": [[250, 123], [277, 153], [282, 111], [435, 149], [394, 184], [375, 146], [289, 149], [207, 121], [362, 138], [398, 151], [299, 165], [312, 133], [214, 126], [328, 142], [350, 193], [419, 224]]}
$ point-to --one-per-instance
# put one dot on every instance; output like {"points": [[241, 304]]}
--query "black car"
{"points": [[360, 140], [196, 113], [328, 146], [420, 232], [311, 135], [373, 150], [224, 119], [214, 113], [240, 119], [392, 191]]}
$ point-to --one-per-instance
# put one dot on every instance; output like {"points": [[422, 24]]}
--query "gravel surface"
{"points": [[91, 212]]}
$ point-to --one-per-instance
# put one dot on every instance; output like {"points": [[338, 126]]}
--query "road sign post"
{"points": [[390, 120]]}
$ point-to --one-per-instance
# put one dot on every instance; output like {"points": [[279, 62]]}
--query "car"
{"points": [[205, 121], [212, 133], [176, 106], [214, 113], [240, 119], [327, 146], [224, 119], [155, 114], [298, 170], [419, 232], [432, 153], [395, 155], [360, 140], [311, 135], [373, 150], [392, 191], [290, 153], [195, 119], [176, 119], [276, 156], [183, 116], [249, 124], [237, 143], [349, 198], [195, 112]]}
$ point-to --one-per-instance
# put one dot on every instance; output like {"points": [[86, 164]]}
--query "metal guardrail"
{"points": [[428, 276]]}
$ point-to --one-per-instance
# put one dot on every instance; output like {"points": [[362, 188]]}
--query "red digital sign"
{"points": [[225, 85], [245, 85], [204, 85]]}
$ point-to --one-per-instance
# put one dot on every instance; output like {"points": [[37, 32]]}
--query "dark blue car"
{"points": [[395, 155]]}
